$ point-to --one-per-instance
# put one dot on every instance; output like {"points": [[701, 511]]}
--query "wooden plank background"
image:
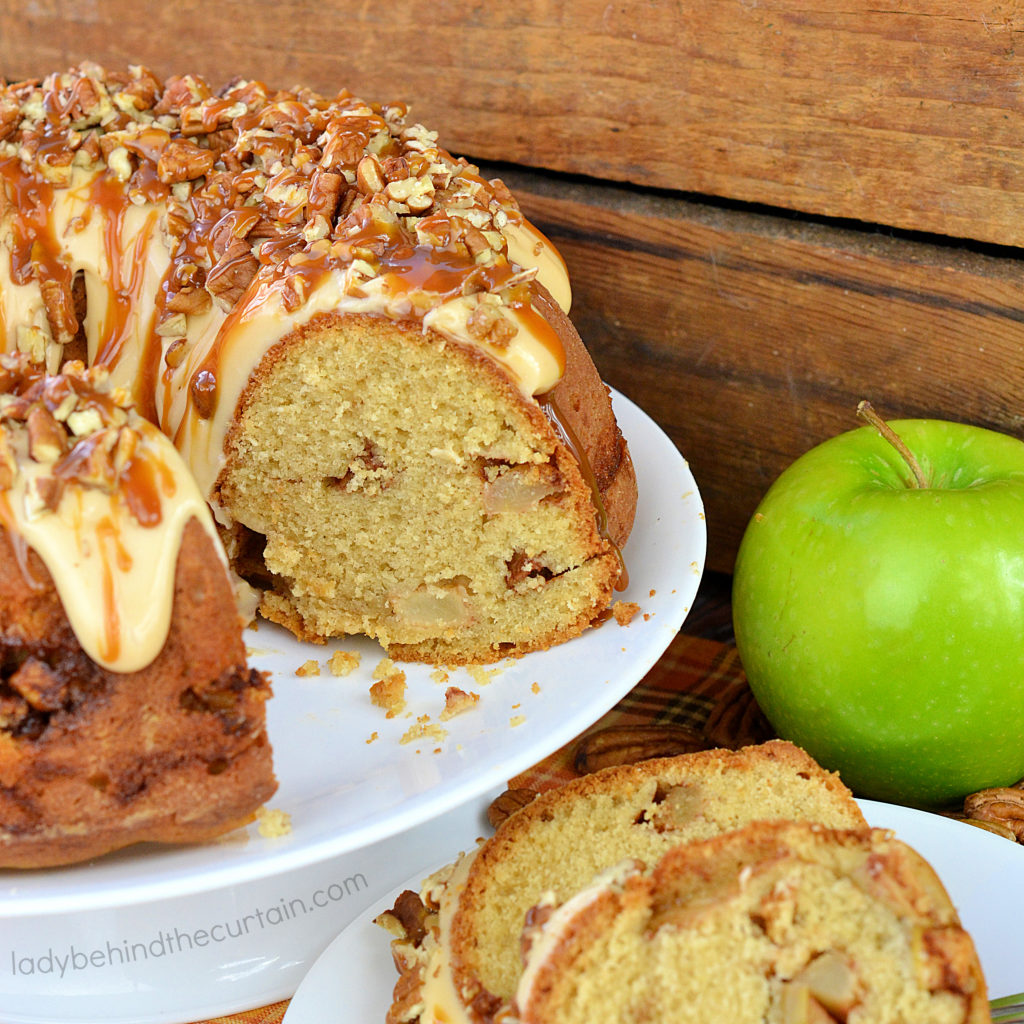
{"points": [[769, 209], [908, 113]]}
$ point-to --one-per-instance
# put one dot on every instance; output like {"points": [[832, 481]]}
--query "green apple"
{"points": [[881, 622]]}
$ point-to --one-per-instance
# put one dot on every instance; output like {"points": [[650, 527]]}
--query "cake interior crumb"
{"points": [[389, 693], [272, 823], [343, 663], [625, 612], [457, 701]]}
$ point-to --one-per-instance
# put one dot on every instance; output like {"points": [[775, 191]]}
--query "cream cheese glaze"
{"points": [[441, 1003], [103, 498], [203, 229]]}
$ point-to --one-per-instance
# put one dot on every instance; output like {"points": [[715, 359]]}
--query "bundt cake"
{"points": [[358, 344], [457, 943], [776, 923], [127, 712]]}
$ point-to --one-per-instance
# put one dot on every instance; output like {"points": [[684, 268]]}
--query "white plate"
{"points": [[981, 871], [345, 791]]}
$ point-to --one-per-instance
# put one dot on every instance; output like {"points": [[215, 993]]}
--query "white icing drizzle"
{"points": [[114, 574], [440, 999]]}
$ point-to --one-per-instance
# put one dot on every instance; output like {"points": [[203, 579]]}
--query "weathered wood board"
{"points": [[907, 114]]}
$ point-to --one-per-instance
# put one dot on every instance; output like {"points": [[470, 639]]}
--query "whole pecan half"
{"points": [[1003, 805], [626, 744]]}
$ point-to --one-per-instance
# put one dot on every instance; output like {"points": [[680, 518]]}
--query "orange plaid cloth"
{"points": [[697, 685]]}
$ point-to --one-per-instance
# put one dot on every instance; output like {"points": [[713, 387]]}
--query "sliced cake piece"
{"points": [[466, 963], [775, 923]]}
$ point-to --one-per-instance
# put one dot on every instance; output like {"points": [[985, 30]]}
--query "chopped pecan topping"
{"points": [[335, 181], [47, 439], [411, 915], [60, 310], [232, 274], [183, 160]]}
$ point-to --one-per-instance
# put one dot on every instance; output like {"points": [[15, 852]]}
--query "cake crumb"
{"points": [[516, 720], [273, 823], [439, 675], [424, 728], [625, 612], [389, 693], [535, 687], [309, 668], [384, 668], [652, 593], [373, 736], [343, 663], [482, 676], [457, 701]]}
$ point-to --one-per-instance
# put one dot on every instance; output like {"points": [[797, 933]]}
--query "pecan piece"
{"points": [[232, 273], [627, 744], [8, 466], [369, 175], [325, 188], [1003, 805], [60, 310], [182, 160], [47, 440], [40, 687], [737, 720], [409, 915], [504, 806], [488, 323], [10, 116], [189, 301]]}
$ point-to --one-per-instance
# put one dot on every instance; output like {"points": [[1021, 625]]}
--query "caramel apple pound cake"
{"points": [[358, 344], [458, 942], [127, 712], [776, 923]]}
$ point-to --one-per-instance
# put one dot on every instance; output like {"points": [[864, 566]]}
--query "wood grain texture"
{"points": [[751, 338], [906, 114]]}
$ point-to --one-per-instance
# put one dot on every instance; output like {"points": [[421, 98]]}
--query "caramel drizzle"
{"points": [[18, 545], [268, 143], [123, 294], [113, 508], [35, 252]]}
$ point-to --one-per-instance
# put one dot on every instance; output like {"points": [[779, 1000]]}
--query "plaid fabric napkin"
{"points": [[696, 695]]}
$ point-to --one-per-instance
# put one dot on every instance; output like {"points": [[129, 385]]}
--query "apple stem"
{"points": [[866, 411]]}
